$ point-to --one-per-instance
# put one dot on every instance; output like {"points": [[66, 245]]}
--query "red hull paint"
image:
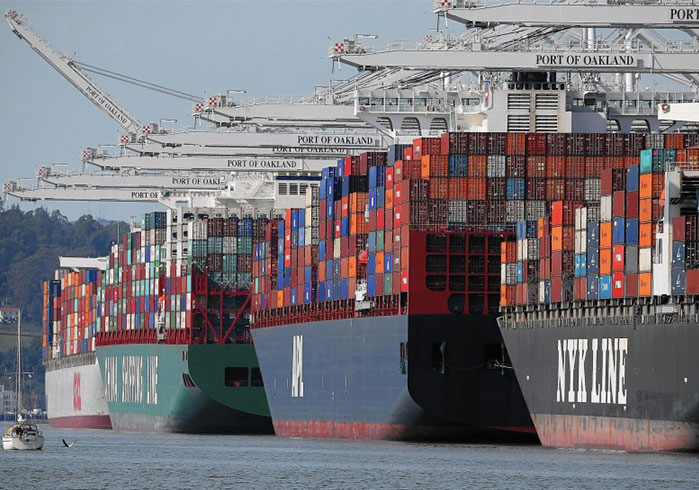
{"points": [[524, 430], [616, 433], [82, 422], [359, 430]]}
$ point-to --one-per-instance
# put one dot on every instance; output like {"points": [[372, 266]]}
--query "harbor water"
{"points": [[107, 459]]}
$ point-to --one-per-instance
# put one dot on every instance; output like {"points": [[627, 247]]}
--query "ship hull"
{"points": [[460, 372], [611, 386], [182, 388], [75, 394], [347, 378]]}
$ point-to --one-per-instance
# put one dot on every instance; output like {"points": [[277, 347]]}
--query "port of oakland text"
{"points": [[145, 195], [585, 60], [684, 14], [262, 164], [102, 102], [592, 370], [337, 140], [198, 181]]}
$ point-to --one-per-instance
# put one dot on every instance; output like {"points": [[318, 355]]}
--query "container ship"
{"points": [[609, 305], [74, 389], [170, 336], [375, 306]]}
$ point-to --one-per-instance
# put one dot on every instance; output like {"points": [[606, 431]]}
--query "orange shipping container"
{"points": [[651, 185], [605, 235], [425, 167], [605, 261], [645, 284], [477, 189], [477, 166], [557, 238], [389, 199], [645, 235], [379, 262], [352, 267]]}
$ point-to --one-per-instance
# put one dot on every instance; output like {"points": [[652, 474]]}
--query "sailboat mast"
{"points": [[19, 364]]}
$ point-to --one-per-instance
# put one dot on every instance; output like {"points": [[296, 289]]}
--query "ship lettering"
{"points": [[297, 366], [152, 380], [132, 379], [684, 14], [110, 379], [77, 398], [606, 371]]}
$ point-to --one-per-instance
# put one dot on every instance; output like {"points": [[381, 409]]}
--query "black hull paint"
{"points": [[649, 400]]}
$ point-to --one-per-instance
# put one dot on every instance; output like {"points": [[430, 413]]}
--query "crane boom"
{"points": [[675, 14], [67, 67], [677, 57]]}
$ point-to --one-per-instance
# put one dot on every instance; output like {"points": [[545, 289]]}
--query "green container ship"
{"points": [[173, 344], [184, 388]]}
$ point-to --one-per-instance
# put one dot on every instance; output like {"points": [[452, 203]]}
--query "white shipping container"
{"points": [[606, 208], [503, 274], [581, 242], [645, 259], [542, 291]]}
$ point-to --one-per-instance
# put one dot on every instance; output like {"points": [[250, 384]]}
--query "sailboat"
{"points": [[24, 433]]}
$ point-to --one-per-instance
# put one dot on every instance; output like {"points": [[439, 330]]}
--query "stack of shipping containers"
{"points": [[613, 241], [51, 319], [141, 290], [71, 312]]}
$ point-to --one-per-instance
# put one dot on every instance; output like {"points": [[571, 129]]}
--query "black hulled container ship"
{"points": [[605, 348]]}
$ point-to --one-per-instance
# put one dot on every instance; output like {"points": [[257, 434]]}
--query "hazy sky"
{"points": [[264, 47]]}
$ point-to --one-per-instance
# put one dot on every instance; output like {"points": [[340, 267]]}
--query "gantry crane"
{"points": [[73, 71]]}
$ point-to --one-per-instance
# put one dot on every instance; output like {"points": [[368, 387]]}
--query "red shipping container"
{"points": [[536, 166], [619, 204], [575, 167], [678, 228], [693, 281], [515, 167], [555, 189], [618, 254], [536, 143], [617, 285], [556, 287], [555, 167], [632, 204], [631, 286]]}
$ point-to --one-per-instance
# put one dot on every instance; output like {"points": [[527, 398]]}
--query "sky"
{"points": [[203, 48]]}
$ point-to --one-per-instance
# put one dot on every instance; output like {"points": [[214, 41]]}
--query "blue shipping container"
{"points": [[678, 253], [632, 231], [618, 229], [632, 178], [605, 287], [679, 281], [592, 287]]}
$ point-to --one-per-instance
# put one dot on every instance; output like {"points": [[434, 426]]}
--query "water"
{"points": [[106, 459]]}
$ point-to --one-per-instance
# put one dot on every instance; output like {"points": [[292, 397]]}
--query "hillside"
{"points": [[30, 243]]}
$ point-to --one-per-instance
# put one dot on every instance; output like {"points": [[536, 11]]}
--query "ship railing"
{"points": [[507, 322], [274, 100], [529, 45]]}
